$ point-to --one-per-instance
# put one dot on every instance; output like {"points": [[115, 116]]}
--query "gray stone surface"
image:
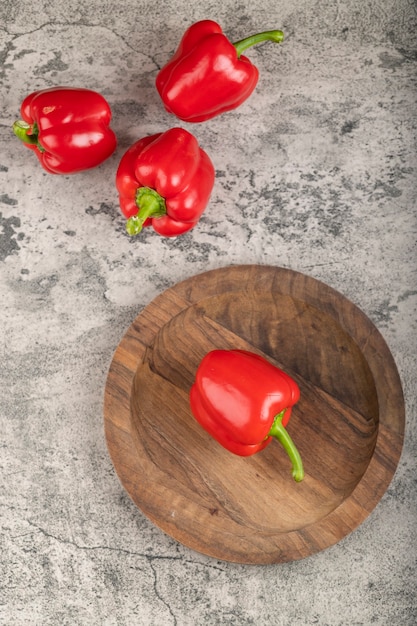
{"points": [[316, 172]]}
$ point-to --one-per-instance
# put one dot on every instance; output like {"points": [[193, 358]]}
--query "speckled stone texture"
{"points": [[316, 172]]}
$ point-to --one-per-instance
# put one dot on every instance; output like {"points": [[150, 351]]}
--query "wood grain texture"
{"points": [[348, 424]]}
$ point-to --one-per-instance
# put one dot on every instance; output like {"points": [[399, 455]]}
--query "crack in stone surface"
{"points": [[82, 24], [159, 595], [148, 557]]}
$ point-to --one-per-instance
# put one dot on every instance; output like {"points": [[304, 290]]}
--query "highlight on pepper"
{"points": [[243, 402], [67, 128], [164, 181], [208, 75]]}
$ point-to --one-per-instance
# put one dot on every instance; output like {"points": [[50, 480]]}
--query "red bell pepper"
{"points": [[164, 181], [242, 400], [208, 75], [67, 128]]}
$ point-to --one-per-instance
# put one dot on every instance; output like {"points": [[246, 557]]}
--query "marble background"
{"points": [[316, 172]]}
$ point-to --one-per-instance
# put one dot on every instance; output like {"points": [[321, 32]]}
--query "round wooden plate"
{"points": [[348, 424]]}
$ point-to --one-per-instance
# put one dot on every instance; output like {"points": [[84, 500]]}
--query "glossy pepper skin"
{"points": [[164, 181], [243, 401], [208, 75], [67, 128]]}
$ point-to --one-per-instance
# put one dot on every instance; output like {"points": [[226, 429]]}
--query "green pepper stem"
{"points": [[280, 433], [150, 204], [269, 35], [28, 133]]}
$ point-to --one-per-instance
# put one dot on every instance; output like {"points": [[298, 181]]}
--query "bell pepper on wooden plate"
{"points": [[243, 401]]}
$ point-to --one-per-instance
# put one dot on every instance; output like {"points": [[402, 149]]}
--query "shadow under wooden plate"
{"points": [[348, 424]]}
